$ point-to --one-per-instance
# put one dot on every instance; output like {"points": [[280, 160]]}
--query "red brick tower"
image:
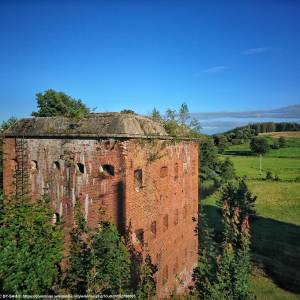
{"points": [[125, 164]]}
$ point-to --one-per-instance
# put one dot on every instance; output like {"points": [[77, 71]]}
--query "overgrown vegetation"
{"points": [[52, 103], [178, 123], [223, 269], [31, 248]]}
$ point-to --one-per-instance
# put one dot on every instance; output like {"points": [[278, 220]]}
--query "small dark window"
{"points": [[34, 165], [176, 217], [56, 218], [153, 227], [56, 165], [140, 236], [163, 172], [166, 222], [107, 145], [80, 168], [138, 179], [107, 170]]}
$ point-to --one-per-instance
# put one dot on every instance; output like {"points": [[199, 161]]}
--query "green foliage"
{"points": [[233, 265], [208, 160], [282, 142], [227, 171], [147, 286], [269, 175], [221, 142], [211, 167], [205, 272], [178, 124], [155, 115], [184, 114], [52, 103], [127, 111], [275, 145], [110, 272], [30, 247], [79, 260], [237, 195], [259, 145], [6, 124], [245, 133], [223, 272]]}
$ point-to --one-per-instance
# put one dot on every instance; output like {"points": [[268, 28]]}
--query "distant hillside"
{"points": [[240, 134]]}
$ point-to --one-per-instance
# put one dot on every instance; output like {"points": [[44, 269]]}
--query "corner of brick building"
{"points": [[153, 188]]}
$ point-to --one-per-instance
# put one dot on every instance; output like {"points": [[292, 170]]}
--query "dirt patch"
{"points": [[287, 134]]}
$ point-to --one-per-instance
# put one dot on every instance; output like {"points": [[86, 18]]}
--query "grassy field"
{"points": [[288, 134], [276, 231]]}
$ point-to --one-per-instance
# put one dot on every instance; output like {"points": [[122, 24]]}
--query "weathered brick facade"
{"points": [[150, 185]]}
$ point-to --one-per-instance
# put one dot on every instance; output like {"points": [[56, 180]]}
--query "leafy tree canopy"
{"points": [[259, 145], [237, 195], [52, 103]]}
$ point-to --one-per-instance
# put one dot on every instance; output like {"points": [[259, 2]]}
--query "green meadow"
{"points": [[276, 230]]}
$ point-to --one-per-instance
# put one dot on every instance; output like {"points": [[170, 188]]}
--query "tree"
{"points": [[208, 160], [170, 115], [147, 285], [221, 143], [6, 124], [282, 142], [155, 115], [52, 103], [184, 114], [79, 260], [259, 146], [30, 247], [233, 264], [205, 272], [237, 195], [227, 171], [110, 272]]}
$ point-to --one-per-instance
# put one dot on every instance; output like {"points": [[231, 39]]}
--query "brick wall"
{"points": [[151, 185]]}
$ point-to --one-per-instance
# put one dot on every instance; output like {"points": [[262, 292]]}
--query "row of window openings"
{"points": [[153, 227], [105, 169], [108, 170]]}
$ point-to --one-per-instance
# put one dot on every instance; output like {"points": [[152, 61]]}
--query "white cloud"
{"points": [[215, 69], [259, 50]]}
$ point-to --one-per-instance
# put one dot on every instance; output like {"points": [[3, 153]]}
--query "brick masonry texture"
{"points": [[149, 186]]}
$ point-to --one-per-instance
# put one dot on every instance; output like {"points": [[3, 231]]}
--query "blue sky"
{"points": [[213, 55]]}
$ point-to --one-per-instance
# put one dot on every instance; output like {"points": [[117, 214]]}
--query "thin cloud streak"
{"points": [[252, 51], [215, 69]]}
